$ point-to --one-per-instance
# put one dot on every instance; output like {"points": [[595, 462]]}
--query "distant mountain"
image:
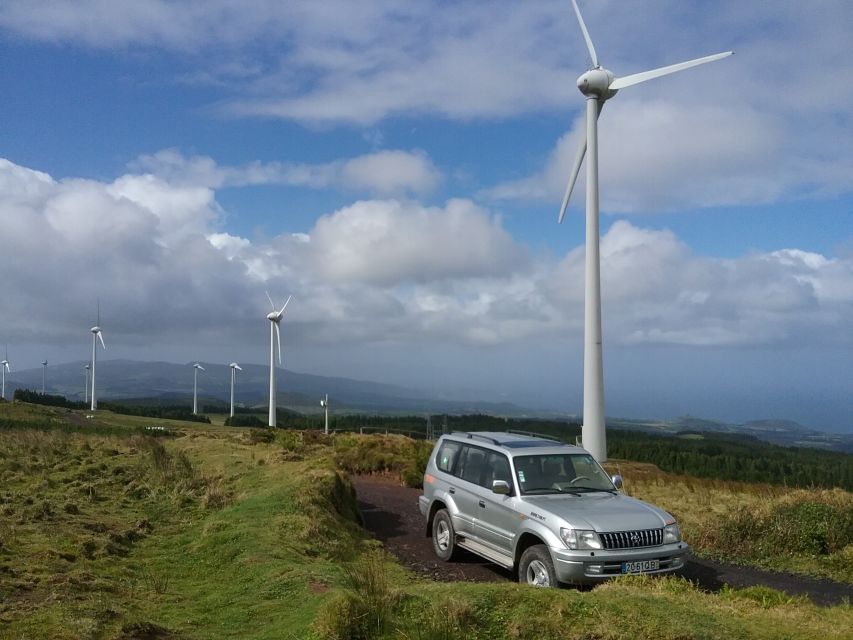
{"points": [[170, 382], [167, 382], [782, 432]]}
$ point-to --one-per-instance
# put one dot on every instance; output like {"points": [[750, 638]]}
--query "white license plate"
{"points": [[640, 566]]}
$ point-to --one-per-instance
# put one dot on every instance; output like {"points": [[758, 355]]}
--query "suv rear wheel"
{"points": [[536, 567], [443, 535]]}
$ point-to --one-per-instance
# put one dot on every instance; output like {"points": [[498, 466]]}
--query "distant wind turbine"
{"points": [[4, 367], [325, 404], [43, 371], [88, 368], [234, 369], [599, 85], [96, 335], [275, 338], [196, 368]]}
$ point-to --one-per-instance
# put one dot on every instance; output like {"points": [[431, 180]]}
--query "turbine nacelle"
{"points": [[274, 316], [596, 82], [95, 329], [234, 365]]}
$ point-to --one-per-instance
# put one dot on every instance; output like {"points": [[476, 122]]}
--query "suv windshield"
{"points": [[560, 473]]}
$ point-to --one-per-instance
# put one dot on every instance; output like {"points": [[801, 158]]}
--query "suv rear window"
{"points": [[473, 464], [446, 457]]}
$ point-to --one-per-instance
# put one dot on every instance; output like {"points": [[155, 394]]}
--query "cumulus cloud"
{"points": [[380, 271], [661, 156], [386, 172]]}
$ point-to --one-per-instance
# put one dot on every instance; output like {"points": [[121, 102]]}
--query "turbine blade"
{"points": [[200, 367], [576, 168], [270, 299], [278, 340], [238, 367], [101, 338], [627, 81], [589, 45], [285, 306]]}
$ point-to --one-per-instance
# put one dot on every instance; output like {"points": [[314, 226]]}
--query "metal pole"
{"points": [[594, 439]]}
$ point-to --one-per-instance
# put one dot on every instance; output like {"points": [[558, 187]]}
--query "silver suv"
{"points": [[543, 508]]}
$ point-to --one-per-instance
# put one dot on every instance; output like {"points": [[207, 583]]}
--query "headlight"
{"points": [[671, 534], [580, 539]]}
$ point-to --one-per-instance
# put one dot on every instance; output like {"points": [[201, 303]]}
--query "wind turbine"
{"points": [[325, 404], [88, 368], [4, 367], [234, 369], [599, 85], [43, 371], [196, 368], [275, 338], [96, 335]]}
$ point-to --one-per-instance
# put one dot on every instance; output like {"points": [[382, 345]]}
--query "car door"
{"points": [[472, 464], [497, 517]]}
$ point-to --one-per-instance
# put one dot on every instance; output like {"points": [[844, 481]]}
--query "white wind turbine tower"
{"points": [[275, 338], [599, 85], [325, 404], [96, 335], [196, 368], [4, 367], [234, 369], [43, 371], [88, 368]]}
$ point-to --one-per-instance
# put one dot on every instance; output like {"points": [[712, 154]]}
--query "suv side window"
{"points": [[446, 458], [473, 464], [497, 468]]}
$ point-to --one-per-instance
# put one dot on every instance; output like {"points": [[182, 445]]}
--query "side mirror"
{"points": [[501, 487], [617, 481]]}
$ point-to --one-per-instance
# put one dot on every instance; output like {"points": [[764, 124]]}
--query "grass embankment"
{"points": [[372, 605], [807, 531], [205, 536], [231, 533]]}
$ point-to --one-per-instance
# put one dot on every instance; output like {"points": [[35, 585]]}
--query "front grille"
{"points": [[632, 539]]}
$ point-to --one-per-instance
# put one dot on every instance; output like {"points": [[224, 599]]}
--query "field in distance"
{"points": [[110, 530]]}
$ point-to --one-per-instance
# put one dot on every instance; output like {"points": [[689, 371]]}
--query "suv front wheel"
{"points": [[536, 567], [443, 535]]}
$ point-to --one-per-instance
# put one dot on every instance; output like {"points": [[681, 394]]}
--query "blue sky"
{"points": [[398, 170]]}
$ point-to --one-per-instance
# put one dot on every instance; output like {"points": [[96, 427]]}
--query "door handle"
{"points": [[482, 504], [452, 490]]}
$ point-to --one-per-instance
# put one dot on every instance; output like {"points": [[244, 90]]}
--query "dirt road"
{"points": [[391, 513]]}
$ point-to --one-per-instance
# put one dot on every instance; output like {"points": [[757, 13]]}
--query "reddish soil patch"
{"points": [[391, 513]]}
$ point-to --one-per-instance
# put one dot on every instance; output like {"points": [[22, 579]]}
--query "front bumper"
{"points": [[586, 567]]}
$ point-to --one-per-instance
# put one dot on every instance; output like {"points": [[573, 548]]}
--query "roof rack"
{"points": [[535, 435], [474, 434]]}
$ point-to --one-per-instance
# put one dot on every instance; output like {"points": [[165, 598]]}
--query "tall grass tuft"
{"points": [[363, 610]]}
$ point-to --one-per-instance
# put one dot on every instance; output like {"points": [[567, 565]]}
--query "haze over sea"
{"points": [[398, 170]]}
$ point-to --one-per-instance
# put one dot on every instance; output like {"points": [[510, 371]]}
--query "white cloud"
{"points": [[387, 172], [380, 271], [663, 156]]}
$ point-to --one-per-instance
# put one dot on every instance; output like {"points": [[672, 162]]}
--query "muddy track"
{"points": [[391, 513]]}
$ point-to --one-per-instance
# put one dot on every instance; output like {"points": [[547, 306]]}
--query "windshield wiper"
{"points": [[613, 491]]}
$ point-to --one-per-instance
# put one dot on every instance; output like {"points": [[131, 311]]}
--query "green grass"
{"points": [[806, 531], [229, 533]]}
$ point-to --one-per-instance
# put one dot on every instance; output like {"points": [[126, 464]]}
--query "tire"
{"points": [[443, 535], [536, 567]]}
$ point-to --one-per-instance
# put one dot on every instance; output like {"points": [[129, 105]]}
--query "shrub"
{"points": [[244, 420], [804, 527]]}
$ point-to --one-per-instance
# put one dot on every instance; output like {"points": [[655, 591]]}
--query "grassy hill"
{"points": [[111, 530]]}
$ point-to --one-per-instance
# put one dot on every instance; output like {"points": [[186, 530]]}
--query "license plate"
{"points": [[640, 566]]}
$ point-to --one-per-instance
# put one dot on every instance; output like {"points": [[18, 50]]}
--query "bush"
{"points": [[244, 420], [805, 527]]}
